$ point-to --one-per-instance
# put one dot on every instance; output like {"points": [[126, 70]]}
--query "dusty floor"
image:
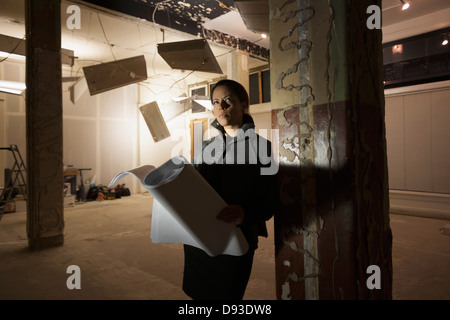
{"points": [[110, 242]]}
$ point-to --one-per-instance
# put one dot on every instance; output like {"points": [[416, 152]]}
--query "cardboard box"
{"points": [[70, 172], [69, 201], [10, 206]]}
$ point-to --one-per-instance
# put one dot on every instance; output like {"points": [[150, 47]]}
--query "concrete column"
{"points": [[328, 105], [45, 205], [2, 141], [237, 68]]}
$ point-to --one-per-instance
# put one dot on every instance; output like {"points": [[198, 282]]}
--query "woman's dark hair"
{"points": [[234, 86]]}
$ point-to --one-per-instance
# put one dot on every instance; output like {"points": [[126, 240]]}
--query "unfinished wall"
{"points": [[417, 136], [99, 132], [13, 125]]}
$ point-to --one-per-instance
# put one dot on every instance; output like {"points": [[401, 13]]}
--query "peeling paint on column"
{"points": [[285, 295], [327, 104], [296, 147], [289, 150]]}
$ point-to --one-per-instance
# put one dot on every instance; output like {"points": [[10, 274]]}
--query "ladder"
{"points": [[14, 180]]}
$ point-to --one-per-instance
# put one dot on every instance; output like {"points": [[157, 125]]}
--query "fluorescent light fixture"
{"points": [[15, 48], [13, 87], [12, 56]]}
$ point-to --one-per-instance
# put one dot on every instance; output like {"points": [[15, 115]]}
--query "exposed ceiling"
{"points": [[124, 28], [392, 10]]}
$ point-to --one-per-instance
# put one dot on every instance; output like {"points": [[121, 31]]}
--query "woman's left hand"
{"points": [[232, 214]]}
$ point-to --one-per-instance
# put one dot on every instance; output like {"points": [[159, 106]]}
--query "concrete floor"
{"points": [[110, 242]]}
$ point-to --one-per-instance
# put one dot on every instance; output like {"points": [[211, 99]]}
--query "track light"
{"points": [[405, 4], [445, 37]]}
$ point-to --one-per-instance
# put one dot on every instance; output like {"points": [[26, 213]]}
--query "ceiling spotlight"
{"points": [[405, 4], [263, 35], [444, 38]]}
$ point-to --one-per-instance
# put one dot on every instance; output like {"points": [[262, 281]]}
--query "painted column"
{"points": [[45, 204], [237, 67], [328, 105]]}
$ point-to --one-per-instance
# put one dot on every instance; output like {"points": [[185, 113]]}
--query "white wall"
{"points": [[261, 114], [12, 117], [99, 132], [418, 135]]}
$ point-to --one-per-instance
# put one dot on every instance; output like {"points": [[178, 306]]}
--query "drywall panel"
{"points": [[13, 72], [80, 144], [84, 106], [440, 141], [115, 103], [118, 151], [417, 110], [2, 141], [15, 134], [395, 138]]}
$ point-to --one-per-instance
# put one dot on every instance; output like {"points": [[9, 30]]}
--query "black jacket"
{"points": [[242, 171]]}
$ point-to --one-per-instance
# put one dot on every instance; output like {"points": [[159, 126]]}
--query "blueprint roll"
{"points": [[185, 208], [191, 206]]}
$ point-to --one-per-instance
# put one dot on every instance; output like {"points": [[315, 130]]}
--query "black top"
{"points": [[238, 170]]}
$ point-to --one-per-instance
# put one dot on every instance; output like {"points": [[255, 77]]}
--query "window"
{"points": [[259, 87]]}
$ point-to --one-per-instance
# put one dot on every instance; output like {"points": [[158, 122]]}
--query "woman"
{"points": [[232, 162]]}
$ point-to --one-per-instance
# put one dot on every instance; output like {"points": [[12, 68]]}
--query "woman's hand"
{"points": [[232, 214]]}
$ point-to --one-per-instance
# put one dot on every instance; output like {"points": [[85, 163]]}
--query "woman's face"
{"points": [[228, 109]]}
